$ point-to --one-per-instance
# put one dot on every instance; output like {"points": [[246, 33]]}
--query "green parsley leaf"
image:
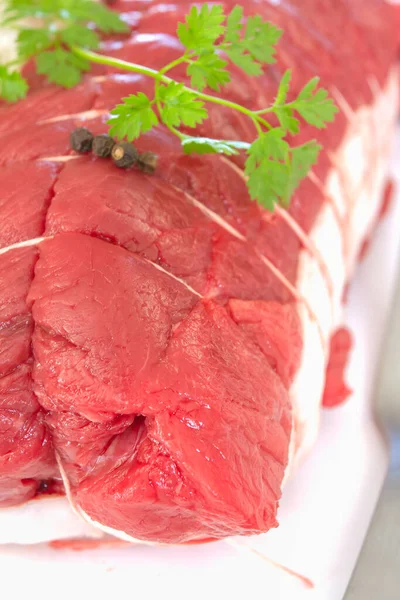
{"points": [[180, 106], [202, 28], [302, 159], [256, 47], [201, 145], [234, 25], [79, 35], [283, 89], [208, 70], [267, 168], [108, 21], [266, 184], [261, 38], [61, 67], [244, 61], [285, 113], [314, 105], [269, 145], [133, 117], [13, 86], [286, 119], [32, 41]]}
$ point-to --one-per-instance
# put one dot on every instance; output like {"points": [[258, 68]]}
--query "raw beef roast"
{"points": [[164, 340]]}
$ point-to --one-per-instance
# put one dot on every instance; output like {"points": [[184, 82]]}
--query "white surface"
{"points": [[324, 513]]}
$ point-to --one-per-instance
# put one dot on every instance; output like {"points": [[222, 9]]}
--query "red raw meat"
{"points": [[22, 219], [155, 340], [336, 390], [167, 465], [26, 453]]}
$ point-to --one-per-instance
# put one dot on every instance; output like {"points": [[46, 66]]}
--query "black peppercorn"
{"points": [[81, 140], [147, 162], [124, 155], [43, 486], [103, 145]]}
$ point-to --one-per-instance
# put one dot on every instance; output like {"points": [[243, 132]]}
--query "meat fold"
{"points": [[184, 367]]}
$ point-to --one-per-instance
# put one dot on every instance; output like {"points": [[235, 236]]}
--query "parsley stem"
{"points": [[178, 133], [160, 77], [118, 63], [232, 105], [263, 122], [158, 80], [173, 64], [257, 126], [263, 111], [157, 96]]}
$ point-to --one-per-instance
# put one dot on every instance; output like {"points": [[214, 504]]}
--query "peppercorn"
{"points": [[124, 155], [81, 140], [43, 486], [103, 145], [147, 162]]}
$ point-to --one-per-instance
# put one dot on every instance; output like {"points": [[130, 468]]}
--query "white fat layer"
{"points": [[308, 244], [363, 163], [50, 518], [333, 184]]}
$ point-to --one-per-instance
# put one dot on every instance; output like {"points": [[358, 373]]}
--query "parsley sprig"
{"points": [[66, 34]]}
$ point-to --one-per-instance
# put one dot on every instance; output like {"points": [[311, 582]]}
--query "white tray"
{"points": [[324, 513]]}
